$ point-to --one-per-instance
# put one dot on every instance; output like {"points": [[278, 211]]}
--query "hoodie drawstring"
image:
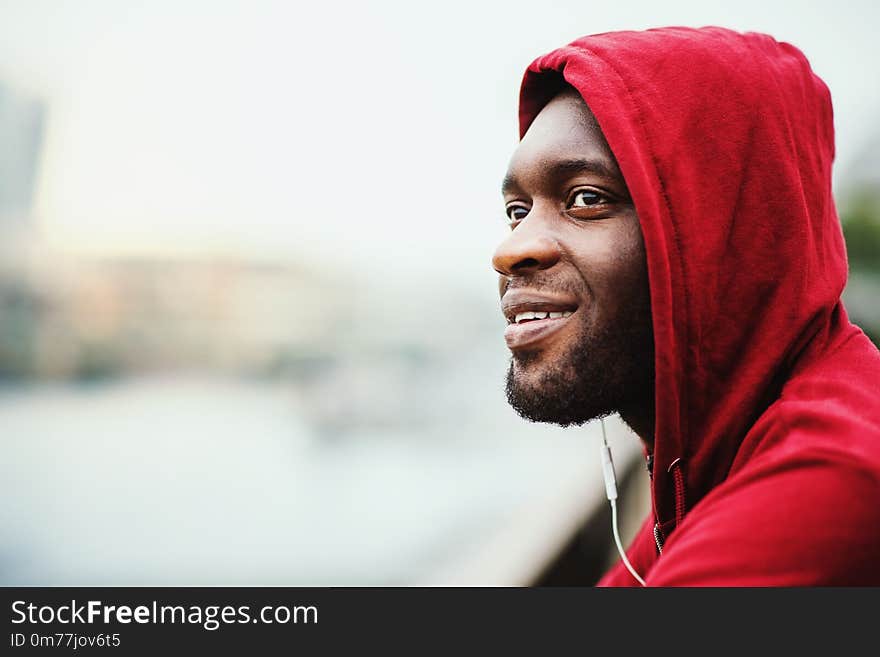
{"points": [[680, 499], [677, 470]]}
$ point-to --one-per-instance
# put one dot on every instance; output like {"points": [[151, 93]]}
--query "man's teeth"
{"points": [[521, 317]]}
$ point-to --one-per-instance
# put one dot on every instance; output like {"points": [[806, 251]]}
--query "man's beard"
{"points": [[604, 371]]}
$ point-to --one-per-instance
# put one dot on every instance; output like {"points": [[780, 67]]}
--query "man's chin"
{"points": [[550, 395]]}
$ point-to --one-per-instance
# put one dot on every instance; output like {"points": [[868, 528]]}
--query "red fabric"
{"points": [[765, 391]]}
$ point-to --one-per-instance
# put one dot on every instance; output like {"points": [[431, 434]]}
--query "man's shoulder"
{"points": [[847, 377], [828, 413], [801, 512], [830, 433]]}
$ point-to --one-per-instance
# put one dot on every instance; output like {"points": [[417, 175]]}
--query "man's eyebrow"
{"points": [[566, 168], [585, 165], [508, 183]]}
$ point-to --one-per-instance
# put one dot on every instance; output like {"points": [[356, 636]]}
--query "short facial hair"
{"points": [[607, 369]]}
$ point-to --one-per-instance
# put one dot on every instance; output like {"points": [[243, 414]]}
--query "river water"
{"points": [[176, 481]]}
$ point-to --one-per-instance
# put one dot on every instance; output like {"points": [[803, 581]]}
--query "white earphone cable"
{"points": [[611, 493]]}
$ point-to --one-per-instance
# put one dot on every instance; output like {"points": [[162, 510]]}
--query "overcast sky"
{"points": [[371, 135]]}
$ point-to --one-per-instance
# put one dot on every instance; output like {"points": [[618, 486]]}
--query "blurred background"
{"points": [[249, 330]]}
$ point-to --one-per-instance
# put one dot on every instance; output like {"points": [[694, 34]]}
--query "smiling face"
{"points": [[574, 283]]}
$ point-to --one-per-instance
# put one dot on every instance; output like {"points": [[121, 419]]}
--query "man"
{"points": [[676, 256]]}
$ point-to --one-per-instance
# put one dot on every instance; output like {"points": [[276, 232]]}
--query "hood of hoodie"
{"points": [[726, 143]]}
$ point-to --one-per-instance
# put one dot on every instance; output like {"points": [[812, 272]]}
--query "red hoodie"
{"points": [[767, 440]]}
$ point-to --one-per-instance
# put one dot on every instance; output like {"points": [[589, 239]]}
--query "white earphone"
{"points": [[611, 492]]}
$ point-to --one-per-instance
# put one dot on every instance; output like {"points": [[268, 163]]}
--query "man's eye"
{"points": [[516, 213], [585, 198]]}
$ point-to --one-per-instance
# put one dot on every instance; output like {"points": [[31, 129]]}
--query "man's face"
{"points": [[573, 280]]}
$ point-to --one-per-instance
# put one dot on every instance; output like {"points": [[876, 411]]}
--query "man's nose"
{"points": [[528, 248]]}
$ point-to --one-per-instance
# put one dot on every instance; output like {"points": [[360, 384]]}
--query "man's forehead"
{"points": [[564, 130], [571, 104]]}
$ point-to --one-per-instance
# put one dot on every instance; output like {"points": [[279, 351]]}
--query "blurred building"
{"points": [[22, 123], [68, 317], [106, 317]]}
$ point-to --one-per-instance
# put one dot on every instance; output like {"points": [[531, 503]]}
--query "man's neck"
{"points": [[641, 421]]}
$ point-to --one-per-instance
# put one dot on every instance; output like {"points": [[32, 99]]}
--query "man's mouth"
{"points": [[533, 318]]}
